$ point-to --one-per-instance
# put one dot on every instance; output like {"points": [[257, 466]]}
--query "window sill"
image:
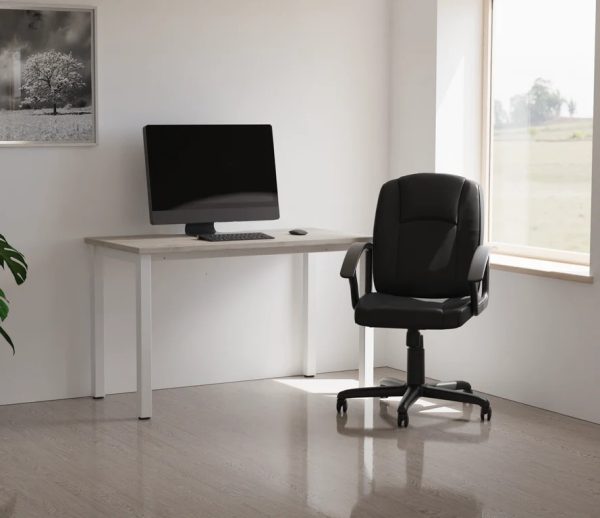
{"points": [[556, 270]]}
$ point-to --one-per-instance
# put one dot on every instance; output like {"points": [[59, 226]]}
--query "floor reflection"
{"points": [[8, 501], [378, 494]]}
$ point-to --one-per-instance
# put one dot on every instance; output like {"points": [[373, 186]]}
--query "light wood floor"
{"points": [[276, 448]]}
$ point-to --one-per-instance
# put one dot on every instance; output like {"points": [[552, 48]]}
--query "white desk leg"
{"points": [[365, 356], [98, 390], [366, 350], [309, 362], [144, 335]]}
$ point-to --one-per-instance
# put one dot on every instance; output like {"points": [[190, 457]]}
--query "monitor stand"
{"points": [[195, 229]]}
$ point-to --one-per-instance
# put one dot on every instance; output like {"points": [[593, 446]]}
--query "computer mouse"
{"points": [[298, 232]]}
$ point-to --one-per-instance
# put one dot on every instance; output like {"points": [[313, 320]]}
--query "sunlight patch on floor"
{"points": [[425, 406], [441, 410], [330, 387], [420, 402], [318, 385]]}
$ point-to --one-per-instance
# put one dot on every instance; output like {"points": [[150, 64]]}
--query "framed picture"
{"points": [[47, 76]]}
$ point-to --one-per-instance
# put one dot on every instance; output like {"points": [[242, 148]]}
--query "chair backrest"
{"points": [[427, 227]]}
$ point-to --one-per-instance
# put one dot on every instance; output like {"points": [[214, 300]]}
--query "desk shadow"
{"points": [[415, 499]]}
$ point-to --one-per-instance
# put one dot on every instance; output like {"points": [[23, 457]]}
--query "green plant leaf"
{"points": [[7, 338], [3, 306], [14, 260]]}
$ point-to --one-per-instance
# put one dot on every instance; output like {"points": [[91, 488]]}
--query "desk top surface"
{"points": [[316, 240]]}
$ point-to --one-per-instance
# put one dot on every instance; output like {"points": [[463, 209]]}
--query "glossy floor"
{"points": [[276, 448]]}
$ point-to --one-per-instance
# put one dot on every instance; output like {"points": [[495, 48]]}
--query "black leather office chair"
{"points": [[430, 272]]}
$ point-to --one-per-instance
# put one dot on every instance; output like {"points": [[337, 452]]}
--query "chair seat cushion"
{"points": [[382, 310]]}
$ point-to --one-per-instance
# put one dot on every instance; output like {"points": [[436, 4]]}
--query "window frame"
{"points": [[529, 252]]}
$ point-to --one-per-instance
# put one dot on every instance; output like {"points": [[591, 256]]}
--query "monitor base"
{"points": [[195, 229]]}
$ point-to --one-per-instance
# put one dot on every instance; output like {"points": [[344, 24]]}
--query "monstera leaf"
{"points": [[14, 260], [4, 334], [3, 306]]}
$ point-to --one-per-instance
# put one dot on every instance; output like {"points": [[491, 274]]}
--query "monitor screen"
{"points": [[207, 173]]}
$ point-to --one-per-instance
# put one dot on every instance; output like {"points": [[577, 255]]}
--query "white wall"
{"points": [[413, 86], [319, 72], [538, 341], [458, 87]]}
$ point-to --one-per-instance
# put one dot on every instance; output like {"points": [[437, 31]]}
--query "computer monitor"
{"points": [[199, 174]]}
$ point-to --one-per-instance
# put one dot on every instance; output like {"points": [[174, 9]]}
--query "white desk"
{"points": [[143, 249]]}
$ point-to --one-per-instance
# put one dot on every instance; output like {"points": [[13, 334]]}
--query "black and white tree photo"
{"points": [[47, 76]]}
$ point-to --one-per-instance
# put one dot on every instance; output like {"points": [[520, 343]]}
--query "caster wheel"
{"points": [[486, 411], [402, 420], [342, 407]]}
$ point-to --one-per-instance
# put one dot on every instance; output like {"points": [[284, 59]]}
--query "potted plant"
{"points": [[14, 260]]}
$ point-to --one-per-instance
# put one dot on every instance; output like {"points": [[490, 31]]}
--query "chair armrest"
{"points": [[479, 272], [352, 257], [479, 264], [350, 264]]}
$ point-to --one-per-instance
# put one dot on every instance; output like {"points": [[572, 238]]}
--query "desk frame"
{"points": [[103, 247]]}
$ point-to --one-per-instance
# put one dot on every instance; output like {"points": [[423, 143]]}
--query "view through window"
{"points": [[542, 82]]}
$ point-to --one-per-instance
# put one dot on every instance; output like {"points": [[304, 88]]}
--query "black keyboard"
{"points": [[231, 236]]}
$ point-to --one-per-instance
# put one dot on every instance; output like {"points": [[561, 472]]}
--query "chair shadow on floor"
{"points": [[416, 499]]}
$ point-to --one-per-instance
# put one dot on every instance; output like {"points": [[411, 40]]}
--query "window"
{"points": [[540, 149]]}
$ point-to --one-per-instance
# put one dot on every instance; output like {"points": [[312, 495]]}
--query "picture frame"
{"points": [[48, 94]]}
